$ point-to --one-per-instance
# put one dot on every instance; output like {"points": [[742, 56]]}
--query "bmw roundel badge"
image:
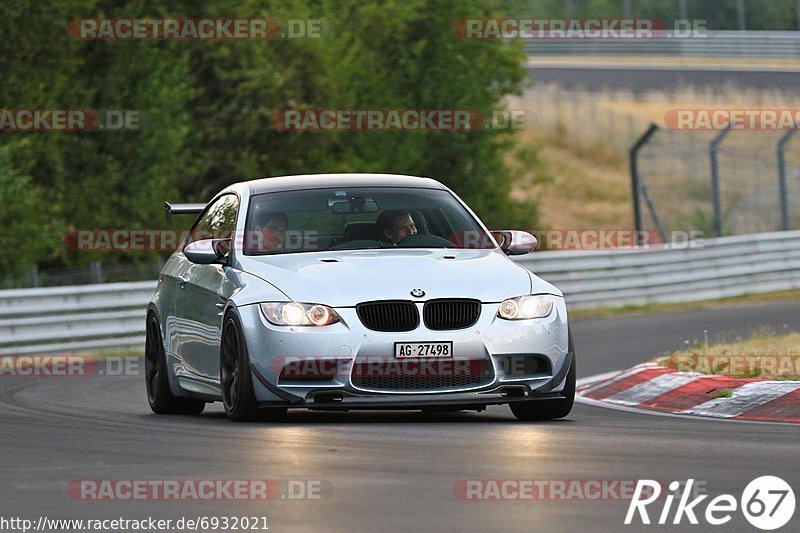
{"points": [[417, 293]]}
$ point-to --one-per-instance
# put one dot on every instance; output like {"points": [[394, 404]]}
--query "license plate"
{"points": [[423, 349]]}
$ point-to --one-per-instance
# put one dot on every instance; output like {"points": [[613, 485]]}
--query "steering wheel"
{"points": [[424, 240], [356, 244]]}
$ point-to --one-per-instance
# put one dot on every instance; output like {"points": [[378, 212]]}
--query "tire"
{"points": [[533, 410], [236, 380], [159, 395]]}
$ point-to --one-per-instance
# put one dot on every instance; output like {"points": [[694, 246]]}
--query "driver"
{"points": [[270, 232], [396, 225]]}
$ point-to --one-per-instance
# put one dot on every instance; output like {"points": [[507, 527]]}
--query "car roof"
{"points": [[322, 181]]}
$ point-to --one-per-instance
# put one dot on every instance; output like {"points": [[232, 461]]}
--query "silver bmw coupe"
{"points": [[353, 291]]}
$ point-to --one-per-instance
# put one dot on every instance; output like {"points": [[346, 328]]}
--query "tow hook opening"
{"points": [[329, 397], [513, 392]]}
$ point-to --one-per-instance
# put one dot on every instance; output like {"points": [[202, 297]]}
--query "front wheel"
{"points": [[159, 395], [236, 379], [532, 410]]}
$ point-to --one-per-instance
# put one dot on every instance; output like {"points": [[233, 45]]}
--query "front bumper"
{"points": [[492, 341]]}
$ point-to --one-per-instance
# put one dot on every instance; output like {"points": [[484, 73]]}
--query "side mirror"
{"points": [[515, 242], [207, 251]]}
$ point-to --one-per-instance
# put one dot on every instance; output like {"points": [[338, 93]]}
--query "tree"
{"points": [[30, 233], [398, 54]]}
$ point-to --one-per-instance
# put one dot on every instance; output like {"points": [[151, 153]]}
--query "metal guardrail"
{"points": [[112, 316], [724, 267], [74, 319], [716, 44]]}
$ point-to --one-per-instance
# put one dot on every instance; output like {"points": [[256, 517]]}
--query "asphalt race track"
{"points": [[599, 76], [391, 471]]}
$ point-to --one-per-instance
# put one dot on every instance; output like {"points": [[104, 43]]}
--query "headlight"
{"points": [[525, 307], [297, 314]]}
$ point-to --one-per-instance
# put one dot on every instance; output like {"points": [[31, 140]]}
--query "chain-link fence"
{"points": [[718, 182]]}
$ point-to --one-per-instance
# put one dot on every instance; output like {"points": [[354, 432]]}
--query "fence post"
{"points": [[576, 118], [713, 148], [635, 185], [784, 192]]}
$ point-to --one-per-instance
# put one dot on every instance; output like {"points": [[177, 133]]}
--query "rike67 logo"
{"points": [[767, 503]]}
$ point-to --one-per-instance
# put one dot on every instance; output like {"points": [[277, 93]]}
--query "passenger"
{"points": [[396, 225]]}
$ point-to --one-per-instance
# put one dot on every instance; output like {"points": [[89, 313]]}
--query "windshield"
{"points": [[359, 218]]}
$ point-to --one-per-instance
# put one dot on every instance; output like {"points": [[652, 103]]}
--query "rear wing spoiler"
{"points": [[182, 209]]}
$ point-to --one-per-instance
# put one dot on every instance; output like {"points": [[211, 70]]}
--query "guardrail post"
{"points": [[96, 272], [33, 277], [635, 182], [784, 192], [713, 148]]}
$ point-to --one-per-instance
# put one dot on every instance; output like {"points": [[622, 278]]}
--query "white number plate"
{"points": [[423, 349]]}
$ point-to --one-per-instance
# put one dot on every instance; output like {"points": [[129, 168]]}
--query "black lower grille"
{"points": [[521, 365], [451, 314], [415, 374], [388, 315]]}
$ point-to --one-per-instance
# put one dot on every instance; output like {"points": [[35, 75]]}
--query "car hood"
{"points": [[345, 278]]}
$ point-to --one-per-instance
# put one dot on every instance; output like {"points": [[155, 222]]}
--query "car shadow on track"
{"points": [[308, 417]]}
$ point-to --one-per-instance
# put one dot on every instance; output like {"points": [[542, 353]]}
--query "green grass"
{"points": [[763, 354]]}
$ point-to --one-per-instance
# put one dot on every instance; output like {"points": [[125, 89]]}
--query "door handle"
{"points": [[183, 280]]}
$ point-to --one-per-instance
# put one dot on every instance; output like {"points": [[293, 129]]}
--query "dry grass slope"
{"points": [[582, 140]]}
